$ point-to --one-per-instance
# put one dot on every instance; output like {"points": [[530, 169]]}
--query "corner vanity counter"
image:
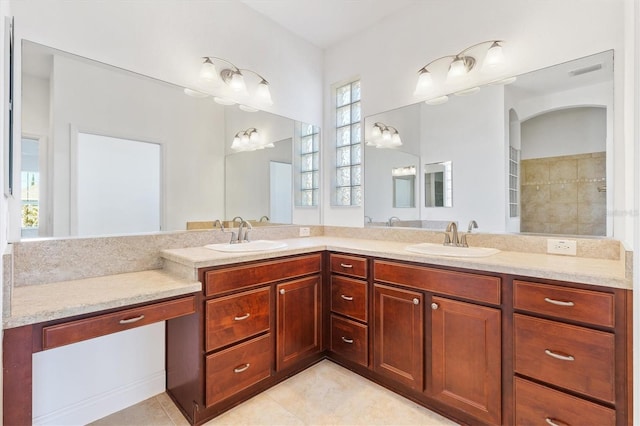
{"points": [[510, 338], [47, 316]]}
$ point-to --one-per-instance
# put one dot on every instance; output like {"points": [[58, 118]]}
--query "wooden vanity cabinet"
{"points": [[436, 334], [299, 316], [259, 323], [349, 308], [571, 354]]}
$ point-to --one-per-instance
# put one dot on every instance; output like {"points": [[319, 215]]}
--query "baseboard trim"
{"points": [[99, 406]]}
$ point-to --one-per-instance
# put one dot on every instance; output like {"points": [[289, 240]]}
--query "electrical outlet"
{"points": [[305, 231], [567, 247]]}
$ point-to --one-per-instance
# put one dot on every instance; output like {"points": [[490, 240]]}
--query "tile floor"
{"points": [[325, 394]]}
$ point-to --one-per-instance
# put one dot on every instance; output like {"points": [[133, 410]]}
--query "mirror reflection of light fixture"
{"points": [[232, 78], [459, 67], [383, 136], [249, 140]]}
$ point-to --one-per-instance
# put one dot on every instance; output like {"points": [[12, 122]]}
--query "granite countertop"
{"points": [[603, 272], [45, 302]]}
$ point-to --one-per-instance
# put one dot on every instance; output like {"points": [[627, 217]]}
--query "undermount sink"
{"points": [[453, 251], [257, 245]]}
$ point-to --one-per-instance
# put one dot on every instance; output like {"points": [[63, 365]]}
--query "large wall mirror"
{"points": [[531, 156], [169, 161]]}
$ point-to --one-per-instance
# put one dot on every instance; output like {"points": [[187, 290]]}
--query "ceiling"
{"points": [[326, 22]]}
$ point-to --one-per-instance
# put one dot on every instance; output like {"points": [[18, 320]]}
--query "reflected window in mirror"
{"points": [[404, 184], [309, 165], [348, 189], [438, 189], [31, 162]]}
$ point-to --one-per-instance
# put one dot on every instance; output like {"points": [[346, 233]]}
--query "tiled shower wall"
{"points": [[564, 194]]}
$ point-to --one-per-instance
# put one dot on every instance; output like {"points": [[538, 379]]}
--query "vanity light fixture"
{"points": [[249, 140], [459, 66], [232, 79], [383, 136]]}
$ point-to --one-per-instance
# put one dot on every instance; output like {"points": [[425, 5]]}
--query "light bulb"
{"points": [[208, 72], [457, 68], [425, 82], [494, 57], [237, 82], [263, 95]]}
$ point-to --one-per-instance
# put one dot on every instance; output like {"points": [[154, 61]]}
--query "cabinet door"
{"points": [[299, 320], [466, 358], [398, 334]]}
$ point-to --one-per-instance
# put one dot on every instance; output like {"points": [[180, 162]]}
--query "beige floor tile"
{"points": [[259, 410], [146, 413], [325, 394]]}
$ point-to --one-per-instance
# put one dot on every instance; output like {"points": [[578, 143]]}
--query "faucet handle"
{"points": [[463, 240]]}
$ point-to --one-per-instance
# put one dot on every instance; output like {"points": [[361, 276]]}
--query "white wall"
{"points": [[387, 57]]}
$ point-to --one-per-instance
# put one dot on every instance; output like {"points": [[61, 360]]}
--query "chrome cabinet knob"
{"points": [[282, 291], [434, 306]]}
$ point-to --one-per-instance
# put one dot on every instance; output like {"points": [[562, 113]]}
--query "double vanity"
{"points": [[506, 338]]}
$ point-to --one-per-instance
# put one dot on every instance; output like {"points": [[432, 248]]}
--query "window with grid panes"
{"points": [[514, 159], [309, 151], [348, 190]]}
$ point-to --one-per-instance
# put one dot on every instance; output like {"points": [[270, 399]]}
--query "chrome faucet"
{"points": [[463, 238], [368, 219], [266, 219], [237, 219], [392, 220], [451, 240], [218, 222], [243, 237]]}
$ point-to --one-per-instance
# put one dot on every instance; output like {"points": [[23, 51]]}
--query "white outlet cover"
{"points": [[566, 247]]}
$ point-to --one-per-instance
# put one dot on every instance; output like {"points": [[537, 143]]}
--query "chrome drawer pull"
{"points": [[555, 422], [243, 317], [131, 320], [558, 302], [559, 356], [346, 265], [241, 369], [346, 340], [349, 298]]}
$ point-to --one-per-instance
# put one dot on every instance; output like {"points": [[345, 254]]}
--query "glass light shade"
{"points": [[236, 143], [494, 57], [425, 82], [457, 68], [376, 132], [386, 135], [395, 140], [263, 94], [255, 137], [208, 71], [237, 83]]}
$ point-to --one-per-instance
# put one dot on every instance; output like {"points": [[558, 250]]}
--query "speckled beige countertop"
{"points": [[604, 272], [46, 302]]}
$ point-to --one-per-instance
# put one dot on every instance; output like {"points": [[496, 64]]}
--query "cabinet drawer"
{"points": [[587, 306], [481, 288], [349, 265], [233, 318], [234, 369], [101, 325], [349, 339], [222, 280], [568, 356], [539, 405], [349, 297]]}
